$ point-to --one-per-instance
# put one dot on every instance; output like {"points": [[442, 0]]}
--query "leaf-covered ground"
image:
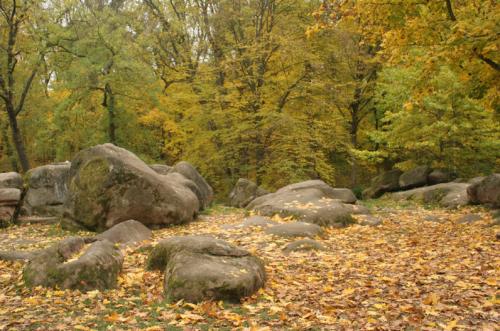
{"points": [[414, 272]]}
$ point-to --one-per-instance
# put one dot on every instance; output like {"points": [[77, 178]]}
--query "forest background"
{"points": [[276, 91]]}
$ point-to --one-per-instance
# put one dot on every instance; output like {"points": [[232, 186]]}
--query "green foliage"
{"points": [[446, 128], [259, 89]]}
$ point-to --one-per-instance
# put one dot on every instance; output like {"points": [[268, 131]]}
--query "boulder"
{"points": [[109, 185], [187, 170], [15, 255], [244, 192], [486, 191], [368, 220], [9, 199], [295, 229], [199, 268], [304, 245], [97, 268], [11, 180], [9, 196], [415, 177], [469, 218], [312, 201], [439, 176], [385, 182], [128, 232], [344, 195], [47, 190], [307, 206], [259, 221], [449, 195], [432, 218]]}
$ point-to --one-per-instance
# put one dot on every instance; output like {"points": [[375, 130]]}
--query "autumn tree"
{"points": [[22, 54]]}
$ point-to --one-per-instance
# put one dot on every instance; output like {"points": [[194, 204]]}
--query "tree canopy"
{"points": [[274, 91]]}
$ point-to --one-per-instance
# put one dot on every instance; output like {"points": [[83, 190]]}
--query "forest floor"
{"points": [[419, 270]]}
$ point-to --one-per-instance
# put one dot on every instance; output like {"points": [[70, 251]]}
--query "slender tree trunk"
{"points": [[17, 139], [110, 105], [354, 143], [8, 147]]}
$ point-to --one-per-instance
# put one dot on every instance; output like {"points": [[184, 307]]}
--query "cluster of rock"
{"points": [[82, 263], [311, 201], [105, 185], [196, 268], [397, 180], [434, 186]]}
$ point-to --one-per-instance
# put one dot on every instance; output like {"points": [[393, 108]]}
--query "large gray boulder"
{"points": [[344, 195], [448, 195], [244, 192], [199, 268], [415, 177], [126, 233], [11, 180], [439, 176], [97, 268], [311, 201], [486, 191], [47, 189], [385, 182], [109, 185], [307, 206], [189, 171]]}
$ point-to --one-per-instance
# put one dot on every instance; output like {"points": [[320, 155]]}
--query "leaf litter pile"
{"points": [[410, 273]]}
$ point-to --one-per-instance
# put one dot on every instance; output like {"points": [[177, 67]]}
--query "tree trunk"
{"points": [[17, 139], [110, 105], [8, 147], [354, 143]]}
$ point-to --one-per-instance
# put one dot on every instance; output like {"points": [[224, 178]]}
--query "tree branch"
{"points": [[26, 89], [488, 61], [450, 11]]}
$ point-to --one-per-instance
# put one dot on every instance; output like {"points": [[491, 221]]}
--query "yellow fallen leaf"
{"points": [[32, 301], [491, 281], [327, 289], [113, 317], [432, 299], [450, 326], [348, 291], [380, 306]]}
